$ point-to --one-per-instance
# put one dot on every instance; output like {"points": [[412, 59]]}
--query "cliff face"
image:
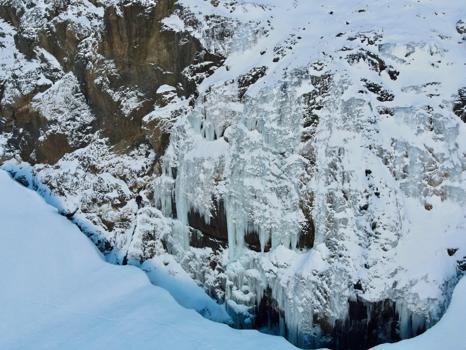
{"points": [[303, 164], [109, 60]]}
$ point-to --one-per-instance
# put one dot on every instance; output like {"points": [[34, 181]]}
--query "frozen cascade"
{"points": [[410, 324], [259, 197], [249, 167], [213, 160], [244, 156]]}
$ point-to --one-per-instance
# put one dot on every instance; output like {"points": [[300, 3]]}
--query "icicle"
{"points": [[263, 237], [182, 232], [410, 323]]}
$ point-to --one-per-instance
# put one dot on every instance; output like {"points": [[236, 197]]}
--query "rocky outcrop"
{"points": [[119, 61], [459, 107]]}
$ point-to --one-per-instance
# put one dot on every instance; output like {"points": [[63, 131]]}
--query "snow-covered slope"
{"points": [[303, 161], [57, 292]]}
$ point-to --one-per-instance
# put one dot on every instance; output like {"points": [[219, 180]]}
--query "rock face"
{"points": [[110, 61], [304, 164]]}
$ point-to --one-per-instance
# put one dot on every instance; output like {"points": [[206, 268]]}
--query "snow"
{"points": [[58, 292], [174, 22], [165, 88], [165, 272]]}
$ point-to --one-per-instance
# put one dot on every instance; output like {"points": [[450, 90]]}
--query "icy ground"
{"points": [[58, 293]]}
